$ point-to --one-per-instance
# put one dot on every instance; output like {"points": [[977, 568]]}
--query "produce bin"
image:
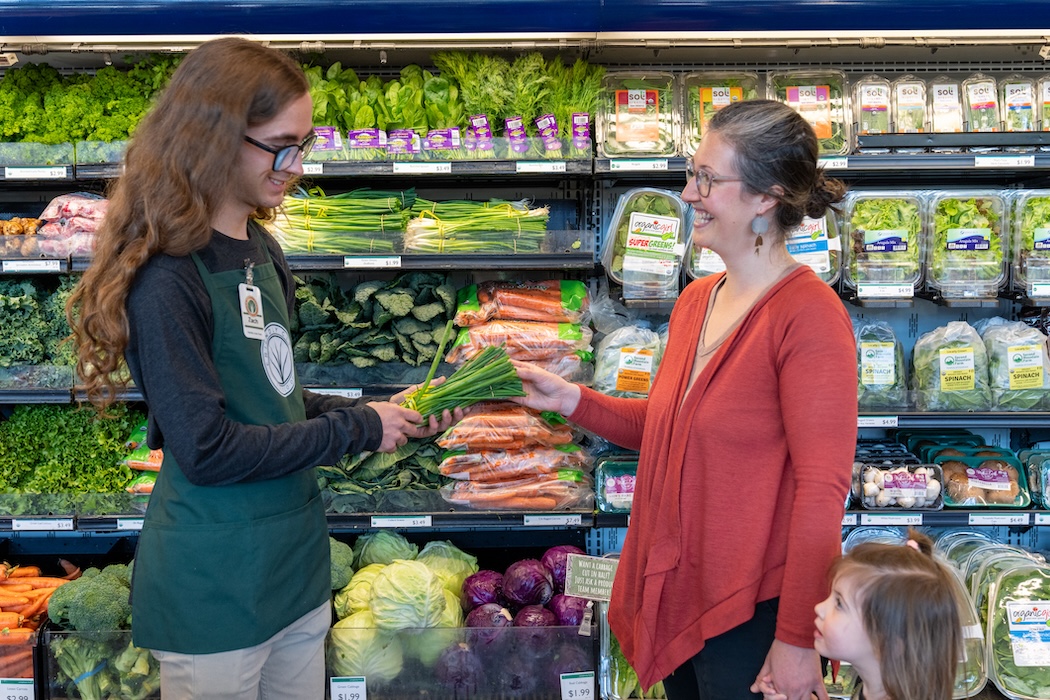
{"points": [[99, 152], [108, 665], [35, 154], [462, 663]]}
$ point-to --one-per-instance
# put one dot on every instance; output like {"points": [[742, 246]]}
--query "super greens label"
{"points": [[1029, 625], [652, 244]]}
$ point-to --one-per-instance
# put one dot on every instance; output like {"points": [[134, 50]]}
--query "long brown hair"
{"points": [[177, 172], [910, 609]]}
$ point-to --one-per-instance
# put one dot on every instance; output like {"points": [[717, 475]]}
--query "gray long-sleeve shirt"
{"points": [[169, 355]]}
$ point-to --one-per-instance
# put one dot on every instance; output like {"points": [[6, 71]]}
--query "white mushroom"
{"points": [[871, 490], [906, 501], [883, 499], [933, 488], [869, 475]]}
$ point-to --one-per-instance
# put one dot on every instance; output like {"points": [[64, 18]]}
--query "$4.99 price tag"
{"points": [[577, 686], [348, 688]]}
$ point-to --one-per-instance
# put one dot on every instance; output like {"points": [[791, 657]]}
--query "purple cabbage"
{"points": [[535, 616], [568, 609], [541, 624], [555, 560], [516, 676], [570, 657], [487, 622], [483, 587], [460, 671], [527, 582]]}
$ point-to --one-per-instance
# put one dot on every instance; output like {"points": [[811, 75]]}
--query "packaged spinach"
{"points": [[1018, 634], [950, 370], [1018, 367], [880, 366]]}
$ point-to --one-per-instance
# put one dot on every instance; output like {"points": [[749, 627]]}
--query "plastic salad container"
{"points": [[1031, 242], [887, 535], [703, 263], [704, 93], [971, 674], [1039, 480], [945, 105], [637, 114], [913, 487], [950, 370], [881, 379], [821, 98], [989, 570], [1018, 636], [871, 105], [967, 251], [1018, 104], [617, 680], [884, 230], [973, 482], [969, 567], [614, 477], [643, 244], [981, 103], [910, 114], [816, 242], [1043, 97]]}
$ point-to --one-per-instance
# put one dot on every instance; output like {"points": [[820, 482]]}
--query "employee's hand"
{"points": [[400, 396], [546, 391], [399, 424], [793, 673]]}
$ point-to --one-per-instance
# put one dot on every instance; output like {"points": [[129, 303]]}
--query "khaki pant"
{"points": [[288, 666]]}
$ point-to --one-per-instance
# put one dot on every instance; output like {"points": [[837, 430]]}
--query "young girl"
{"points": [[893, 615]]}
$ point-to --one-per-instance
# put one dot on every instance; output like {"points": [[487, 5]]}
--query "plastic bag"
{"points": [[506, 427], [1018, 366], [565, 489], [574, 367], [607, 314], [71, 223], [950, 370], [507, 465], [626, 361], [550, 301], [524, 340], [880, 366]]}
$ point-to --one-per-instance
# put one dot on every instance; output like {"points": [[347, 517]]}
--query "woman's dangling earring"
{"points": [[759, 225]]}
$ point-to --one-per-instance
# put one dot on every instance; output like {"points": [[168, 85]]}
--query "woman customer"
{"points": [[231, 581], [746, 439]]}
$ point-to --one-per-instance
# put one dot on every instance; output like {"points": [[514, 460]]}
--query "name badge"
{"points": [[251, 311]]}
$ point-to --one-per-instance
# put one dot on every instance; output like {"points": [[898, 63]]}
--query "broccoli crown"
{"points": [[93, 604], [120, 572], [342, 563]]}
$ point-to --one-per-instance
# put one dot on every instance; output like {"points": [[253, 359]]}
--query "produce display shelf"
{"points": [[33, 266], [98, 171], [36, 395], [944, 419], [333, 168], [1011, 139], [464, 520], [949, 517], [583, 260]]}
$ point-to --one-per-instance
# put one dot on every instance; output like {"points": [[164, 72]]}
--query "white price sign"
{"points": [[372, 262], [422, 168], [42, 525], [551, 520], [1004, 161], [16, 689], [849, 519], [647, 164], [998, 519], [890, 519], [313, 168], [348, 688], [1042, 518], [540, 166], [129, 524], [877, 421], [886, 291], [1039, 291], [49, 172], [32, 265], [398, 521], [833, 163], [345, 393], [577, 686]]}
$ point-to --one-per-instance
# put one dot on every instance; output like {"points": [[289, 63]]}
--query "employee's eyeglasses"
{"points": [[704, 179], [285, 156]]}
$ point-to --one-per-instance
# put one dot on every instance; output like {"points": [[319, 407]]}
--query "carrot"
{"points": [[15, 635], [3, 570], [7, 599], [10, 619], [38, 581], [24, 572], [17, 663], [39, 605], [17, 588], [71, 569]]}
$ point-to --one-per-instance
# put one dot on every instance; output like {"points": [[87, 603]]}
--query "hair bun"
{"points": [[826, 192]]}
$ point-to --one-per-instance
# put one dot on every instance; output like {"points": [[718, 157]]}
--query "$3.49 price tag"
{"points": [[348, 688], [577, 686]]}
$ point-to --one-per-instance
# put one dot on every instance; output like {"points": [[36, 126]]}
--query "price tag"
{"points": [[540, 166], [876, 421], [577, 686], [399, 521], [48, 172], [129, 524], [345, 393], [849, 519], [551, 520], [348, 688], [890, 519], [313, 168], [422, 168], [372, 262], [42, 524], [840, 163], [1004, 161], [647, 164], [1040, 291], [16, 689], [998, 519], [1042, 518], [886, 291], [32, 265]]}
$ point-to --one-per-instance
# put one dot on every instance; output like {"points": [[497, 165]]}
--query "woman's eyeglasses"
{"points": [[704, 179], [284, 157]]}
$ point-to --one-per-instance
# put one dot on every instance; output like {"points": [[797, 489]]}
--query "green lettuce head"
{"points": [[427, 645], [383, 547], [407, 594]]}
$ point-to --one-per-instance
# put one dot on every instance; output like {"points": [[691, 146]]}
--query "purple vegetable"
{"points": [[515, 676], [570, 657], [459, 670], [555, 560], [527, 582], [568, 609], [483, 587], [535, 616], [487, 621], [537, 639]]}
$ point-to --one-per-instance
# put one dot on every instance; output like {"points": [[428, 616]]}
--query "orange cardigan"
{"points": [[740, 495]]}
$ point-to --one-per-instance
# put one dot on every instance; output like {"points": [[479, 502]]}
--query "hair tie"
{"points": [[914, 545]]}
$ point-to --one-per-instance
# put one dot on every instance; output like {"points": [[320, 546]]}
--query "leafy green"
{"points": [[625, 679], [880, 366], [638, 114], [829, 119], [573, 90], [952, 264], [873, 220], [955, 355], [1023, 584], [702, 101], [981, 103], [1034, 245], [645, 201], [405, 480], [1018, 366]]}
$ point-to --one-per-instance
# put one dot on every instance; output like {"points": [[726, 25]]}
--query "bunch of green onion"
{"points": [[312, 222], [487, 376], [495, 226]]}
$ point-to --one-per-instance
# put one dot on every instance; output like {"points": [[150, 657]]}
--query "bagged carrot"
{"points": [[524, 340], [565, 489], [507, 465], [506, 427], [550, 301]]}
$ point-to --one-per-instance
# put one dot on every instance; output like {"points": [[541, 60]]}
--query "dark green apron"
{"points": [[227, 567]]}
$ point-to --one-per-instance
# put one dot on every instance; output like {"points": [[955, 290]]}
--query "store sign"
{"points": [[590, 577]]}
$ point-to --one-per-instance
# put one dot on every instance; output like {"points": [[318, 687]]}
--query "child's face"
{"points": [[840, 633]]}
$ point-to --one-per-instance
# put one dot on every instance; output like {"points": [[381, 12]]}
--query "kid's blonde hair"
{"points": [[910, 610]]}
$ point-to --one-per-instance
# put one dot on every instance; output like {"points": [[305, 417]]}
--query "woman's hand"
{"points": [[791, 673], [545, 391]]}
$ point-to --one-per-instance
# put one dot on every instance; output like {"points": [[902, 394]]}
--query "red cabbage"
{"points": [[459, 670], [555, 560], [568, 609], [483, 587], [516, 676], [570, 657], [487, 621], [527, 582], [541, 624], [535, 616]]}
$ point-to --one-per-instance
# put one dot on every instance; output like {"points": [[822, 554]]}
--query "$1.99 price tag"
{"points": [[348, 688], [577, 686]]}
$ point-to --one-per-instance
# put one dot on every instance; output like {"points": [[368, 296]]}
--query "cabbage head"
{"points": [[427, 645], [354, 597], [357, 648], [451, 564], [382, 547], [407, 594]]}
